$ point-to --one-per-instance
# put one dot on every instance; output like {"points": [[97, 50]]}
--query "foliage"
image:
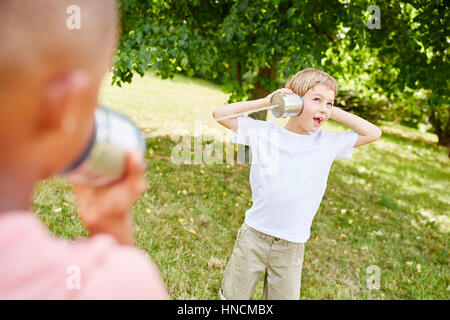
{"points": [[230, 40], [253, 47], [414, 41]]}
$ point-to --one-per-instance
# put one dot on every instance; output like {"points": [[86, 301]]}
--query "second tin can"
{"points": [[103, 161]]}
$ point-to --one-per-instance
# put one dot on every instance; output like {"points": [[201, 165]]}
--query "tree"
{"points": [[253, 47], [414, 41]]}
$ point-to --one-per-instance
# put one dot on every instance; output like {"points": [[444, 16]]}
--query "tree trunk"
{"points": [[445, 141], [441, 130], [260, 91]]}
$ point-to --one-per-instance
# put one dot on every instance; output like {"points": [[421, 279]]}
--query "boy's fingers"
{"points": [[284, 91], [133, 179], [135, 172], [135, 162]]}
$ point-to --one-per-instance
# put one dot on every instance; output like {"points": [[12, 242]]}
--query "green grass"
{"points": [[388, 206]]}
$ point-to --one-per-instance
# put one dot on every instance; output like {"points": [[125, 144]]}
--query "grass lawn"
{"points": [[387, 207]]}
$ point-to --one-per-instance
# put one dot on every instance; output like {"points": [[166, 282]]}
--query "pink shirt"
{"points": [[36, 265]]}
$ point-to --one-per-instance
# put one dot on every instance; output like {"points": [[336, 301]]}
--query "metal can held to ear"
{"points": [[103, 161], [289, 105]]}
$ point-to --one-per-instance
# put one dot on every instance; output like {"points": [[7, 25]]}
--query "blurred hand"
{"points": [[282, 91], [107, 209]]}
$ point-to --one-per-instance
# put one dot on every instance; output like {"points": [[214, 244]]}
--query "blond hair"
{"points": [[307, 79]]}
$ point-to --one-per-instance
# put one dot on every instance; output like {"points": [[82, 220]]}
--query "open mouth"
{"points": [[318, 120]]}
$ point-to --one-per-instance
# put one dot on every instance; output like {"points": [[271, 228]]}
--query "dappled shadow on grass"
{"points": [[409, 138], [197, 209], [416, 141], [369, 216], [189, 181], [189, 216], [379, 225], [414, 182], [385, 195], [404, 181]]}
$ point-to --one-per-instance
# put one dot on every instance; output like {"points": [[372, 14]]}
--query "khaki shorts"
{"points": [[256, 253]]}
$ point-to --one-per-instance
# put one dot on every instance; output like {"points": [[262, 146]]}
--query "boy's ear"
{"points": [[62, 93]]}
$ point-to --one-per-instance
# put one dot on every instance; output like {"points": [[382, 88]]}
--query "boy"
{"points": [[288, 178], [49, 81]]}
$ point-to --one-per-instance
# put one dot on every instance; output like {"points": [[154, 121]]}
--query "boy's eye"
{"points": [[316, 99]]}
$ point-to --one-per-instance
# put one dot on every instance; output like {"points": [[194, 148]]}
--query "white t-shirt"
{"points": [[288, 174]]}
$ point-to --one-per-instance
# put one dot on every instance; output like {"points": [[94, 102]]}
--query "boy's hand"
{"points": [[282, 90], [107, 209]]}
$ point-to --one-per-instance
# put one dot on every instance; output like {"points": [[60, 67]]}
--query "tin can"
{"points": [[289, 105], [103, 161]]}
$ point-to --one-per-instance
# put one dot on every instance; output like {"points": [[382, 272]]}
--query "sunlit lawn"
{"points": [[387, 207]]}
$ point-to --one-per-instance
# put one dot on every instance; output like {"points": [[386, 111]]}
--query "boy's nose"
{"points": [[323, 107], [324, 110]]}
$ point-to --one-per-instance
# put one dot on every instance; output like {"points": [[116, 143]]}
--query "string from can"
{"points": [[150, 135], [245, 112], [290, 105]]}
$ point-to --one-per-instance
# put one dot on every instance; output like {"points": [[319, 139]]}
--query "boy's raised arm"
{"points": [[367, 131], [243, 106]]}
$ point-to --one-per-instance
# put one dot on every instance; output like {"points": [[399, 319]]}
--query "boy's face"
{"points": [[317, 104]]}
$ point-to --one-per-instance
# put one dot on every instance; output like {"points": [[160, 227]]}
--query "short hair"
{"points": [[33, 32], [308, 78]]}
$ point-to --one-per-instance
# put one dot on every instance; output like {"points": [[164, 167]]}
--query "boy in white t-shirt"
{"points": [[288, 178]]}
